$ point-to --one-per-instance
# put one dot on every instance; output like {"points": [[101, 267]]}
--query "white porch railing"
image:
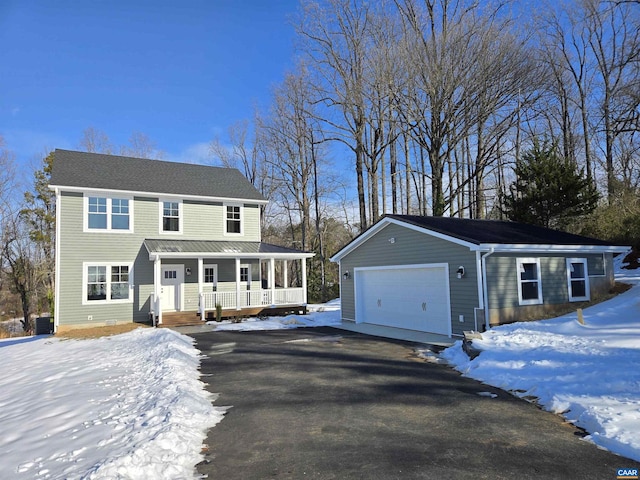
{"points": [[250, 298]]}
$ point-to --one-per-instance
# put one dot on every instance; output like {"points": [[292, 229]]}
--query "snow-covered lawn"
{"points": [[588, 373], [127, 406]]}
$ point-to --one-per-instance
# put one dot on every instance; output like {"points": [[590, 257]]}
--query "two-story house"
{"points": [[139, 240]]}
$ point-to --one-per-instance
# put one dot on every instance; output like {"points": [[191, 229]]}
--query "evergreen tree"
{"points": [[39, 213], [549, 191]]}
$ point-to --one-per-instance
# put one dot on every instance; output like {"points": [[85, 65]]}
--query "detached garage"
{"points": [[413, 297], [446, 275]]}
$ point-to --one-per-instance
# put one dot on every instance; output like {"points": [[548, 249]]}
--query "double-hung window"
{"points": [[171, 214], [529, 281], [97, 208], [233, 219], [96, 282], [107, 282], [108, 214], [577, 279], [119, 282], [120, 214]]}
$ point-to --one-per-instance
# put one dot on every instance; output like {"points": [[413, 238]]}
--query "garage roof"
{"points": [[484, 235], [496, 231]]}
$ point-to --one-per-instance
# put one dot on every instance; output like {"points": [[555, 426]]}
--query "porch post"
{"points": [[272, 279], [157, 285], [237, 283], [200, 274], [304, 280], [285, 274], [200, 280]]}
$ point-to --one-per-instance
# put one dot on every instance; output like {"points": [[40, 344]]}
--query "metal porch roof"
{"points": [[194, 248]]}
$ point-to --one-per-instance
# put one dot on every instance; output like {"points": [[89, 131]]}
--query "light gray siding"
{"points": [[201, 221], [409, 248]]}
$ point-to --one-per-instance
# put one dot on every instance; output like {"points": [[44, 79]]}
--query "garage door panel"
{"points": [[410, 298]]}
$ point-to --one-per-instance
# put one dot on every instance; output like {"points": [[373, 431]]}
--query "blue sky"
{"points": [[179, 71]]}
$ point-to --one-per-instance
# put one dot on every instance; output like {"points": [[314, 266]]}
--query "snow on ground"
{"points": [[127, 406], [132, 405], [320, 315], [588, 373]]}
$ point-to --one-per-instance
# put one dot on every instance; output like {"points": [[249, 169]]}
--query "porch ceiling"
{"points": [[210, 248]]}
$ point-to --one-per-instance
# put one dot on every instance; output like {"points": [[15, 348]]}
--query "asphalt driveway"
{"points": [[329, 404]]}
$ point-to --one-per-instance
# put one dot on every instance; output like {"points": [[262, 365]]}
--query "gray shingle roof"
{"points": [[497, 232], [212, 247], [112, 172]]}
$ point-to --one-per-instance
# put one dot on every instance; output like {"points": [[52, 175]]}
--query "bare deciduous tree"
{"points": [[95, 141]]}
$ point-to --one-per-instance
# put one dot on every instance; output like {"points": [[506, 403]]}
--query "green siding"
{"points": [[502, 277], [412, 247], [77, 247], [201, 221]]}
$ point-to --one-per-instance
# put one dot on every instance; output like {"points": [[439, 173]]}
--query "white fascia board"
{"points": [[158, 194], [520, 248], [388, 221], [226, 255]]}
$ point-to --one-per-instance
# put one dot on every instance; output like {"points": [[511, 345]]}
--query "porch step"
{"points": [[180, 319]]}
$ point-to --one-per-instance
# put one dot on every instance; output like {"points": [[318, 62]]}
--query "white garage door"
{"points": [[415, 298]]}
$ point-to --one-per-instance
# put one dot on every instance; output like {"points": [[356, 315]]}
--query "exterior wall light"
{"points": [[346, 275], [460, 271]]}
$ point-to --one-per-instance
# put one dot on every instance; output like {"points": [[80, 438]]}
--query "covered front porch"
{"points": [[193, 278]]}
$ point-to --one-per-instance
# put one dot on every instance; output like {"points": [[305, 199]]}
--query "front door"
{"points": [[171, 287]]}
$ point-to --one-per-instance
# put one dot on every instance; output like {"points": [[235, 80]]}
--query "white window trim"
{"points": [[587, 296], [108, 265], [161, 216], [224, 218], [209, 285], [109, 197], [535, 301]]}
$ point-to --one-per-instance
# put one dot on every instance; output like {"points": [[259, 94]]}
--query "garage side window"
{"points": [[529, 282], [577, 279]]}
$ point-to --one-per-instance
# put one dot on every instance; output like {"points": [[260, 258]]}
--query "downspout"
{"points": [[483, 261], [56, 278]]}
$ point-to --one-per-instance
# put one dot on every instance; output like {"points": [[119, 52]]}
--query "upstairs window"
{"points": [[233, 219], [171, 216], [120, 214], [577, 279], [97, 213], [108, 214], [529, 283]]}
